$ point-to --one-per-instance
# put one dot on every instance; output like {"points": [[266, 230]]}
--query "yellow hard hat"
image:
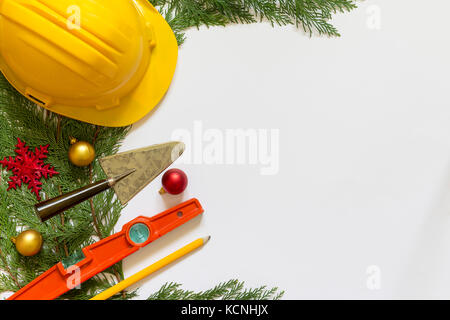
{"points": [[106, 62]]}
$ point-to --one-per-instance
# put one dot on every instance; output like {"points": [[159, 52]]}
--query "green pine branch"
{"points": [[230, 290], [67, 233], [310, 15]]}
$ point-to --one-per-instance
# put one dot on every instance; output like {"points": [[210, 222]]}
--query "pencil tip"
{"points": [[206, 239]]}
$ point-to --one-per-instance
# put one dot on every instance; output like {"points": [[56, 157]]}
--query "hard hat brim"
{"points": [[148, 93]]}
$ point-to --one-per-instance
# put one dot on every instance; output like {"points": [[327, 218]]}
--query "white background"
{"points": [[364, 150]]}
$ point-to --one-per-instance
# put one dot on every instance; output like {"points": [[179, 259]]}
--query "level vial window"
{"points": [[139, 233]]}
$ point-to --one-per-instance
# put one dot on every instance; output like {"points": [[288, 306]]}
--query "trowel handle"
{"points": [[52, 207]]}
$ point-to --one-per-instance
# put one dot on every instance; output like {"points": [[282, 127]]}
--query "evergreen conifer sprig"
{"points": [[310, 15], [63, 235], [230, 290]]}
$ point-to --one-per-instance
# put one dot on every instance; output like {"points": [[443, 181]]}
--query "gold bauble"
{"points": [[81, 153], [28, 243]]}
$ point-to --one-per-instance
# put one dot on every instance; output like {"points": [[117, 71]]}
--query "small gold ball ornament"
{"points": [[81, 153], [28, 243]]}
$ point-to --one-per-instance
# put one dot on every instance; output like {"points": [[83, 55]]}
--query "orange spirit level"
{"points": [[98, 256]]}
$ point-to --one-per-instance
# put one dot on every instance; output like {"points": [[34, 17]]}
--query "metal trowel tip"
{"points": [[116, 179]]}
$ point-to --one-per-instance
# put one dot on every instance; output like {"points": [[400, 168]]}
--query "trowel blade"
{"points": [[148, 162]]}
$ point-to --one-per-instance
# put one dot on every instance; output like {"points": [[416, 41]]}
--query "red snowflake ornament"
{"points": [[28, 167]]}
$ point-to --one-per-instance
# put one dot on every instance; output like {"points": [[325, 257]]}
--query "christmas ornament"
{"points": [[28, 167], [81, 153], [28, 243], [100, 255], [128, 173], [174, 181]]}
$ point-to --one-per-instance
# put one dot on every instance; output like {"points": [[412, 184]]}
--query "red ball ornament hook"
{"points": [[174, 181]]}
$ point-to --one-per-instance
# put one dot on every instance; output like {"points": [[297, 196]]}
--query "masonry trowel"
{"points": [[127, 173]]}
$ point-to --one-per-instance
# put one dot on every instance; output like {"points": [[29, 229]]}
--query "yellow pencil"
{"points": [[150, 269]]}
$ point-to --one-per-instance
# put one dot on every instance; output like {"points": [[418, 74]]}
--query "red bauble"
{"points": [[174, 181]]}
